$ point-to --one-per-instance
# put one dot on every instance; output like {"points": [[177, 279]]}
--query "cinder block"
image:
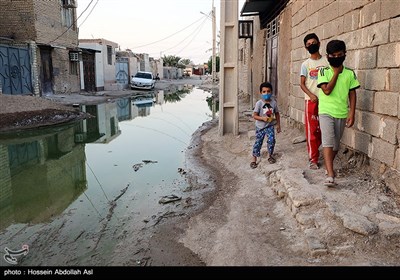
{"points": [[389, 55], [386, 103], [395, 29], [370, 13], [382, 151]]}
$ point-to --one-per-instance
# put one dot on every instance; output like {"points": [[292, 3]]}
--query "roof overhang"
{"points": [[265, 9], [256, 7]]}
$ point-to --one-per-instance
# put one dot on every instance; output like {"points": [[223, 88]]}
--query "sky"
{"points": [[155, 27]]}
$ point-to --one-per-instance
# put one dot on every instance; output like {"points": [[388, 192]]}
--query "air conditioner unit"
{"points": [[74, 56], [69, 4]]}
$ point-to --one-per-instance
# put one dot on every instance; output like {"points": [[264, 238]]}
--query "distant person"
{"points": [[308, 83], [157, 77], [337, 103], [266, 115]]}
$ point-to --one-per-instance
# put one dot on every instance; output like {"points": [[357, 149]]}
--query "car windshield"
{"points": [[143, 75]]}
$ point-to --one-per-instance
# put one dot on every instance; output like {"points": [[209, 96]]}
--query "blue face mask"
{"points": [[266, 96]]}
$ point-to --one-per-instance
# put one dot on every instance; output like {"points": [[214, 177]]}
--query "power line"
{"points": [[75, 21], [136, 47], [198, 28], [194, 37], [89, 14]]}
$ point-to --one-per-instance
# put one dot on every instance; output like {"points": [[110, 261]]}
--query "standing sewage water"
{"points": [[89, 193]]}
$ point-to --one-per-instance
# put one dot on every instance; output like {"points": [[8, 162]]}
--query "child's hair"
{"points": [[265, 84], [335, 46], [310, 36]]}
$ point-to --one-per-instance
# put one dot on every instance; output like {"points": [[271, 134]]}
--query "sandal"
{"points": [[253, 164], [314, 166], [271, 159], [329, 182]]}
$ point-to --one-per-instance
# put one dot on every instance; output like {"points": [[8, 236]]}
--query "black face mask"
{"points": [[313, 48], [336, 61]]}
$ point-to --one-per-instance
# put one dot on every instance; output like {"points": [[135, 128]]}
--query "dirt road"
{"points": [[280, 214]]}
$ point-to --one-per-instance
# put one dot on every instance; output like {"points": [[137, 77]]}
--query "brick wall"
{"points": [[17, 20], [50, 27], [37, 22]]}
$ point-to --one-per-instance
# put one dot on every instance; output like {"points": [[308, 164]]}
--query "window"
{"points": [[245, 29], [109, 55], [273, 27], [68, 13], [73, 67]]}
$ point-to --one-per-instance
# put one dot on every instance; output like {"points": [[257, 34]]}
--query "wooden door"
{"points": [[46, 71]]}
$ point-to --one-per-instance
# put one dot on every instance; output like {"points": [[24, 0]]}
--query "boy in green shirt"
{"points": [[338, 86]]}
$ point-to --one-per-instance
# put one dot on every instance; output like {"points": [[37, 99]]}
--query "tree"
{"points": [[176, 61], [185, 61], [171, 60]]}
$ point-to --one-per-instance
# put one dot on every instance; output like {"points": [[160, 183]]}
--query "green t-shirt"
{"points": [[336, 103]]}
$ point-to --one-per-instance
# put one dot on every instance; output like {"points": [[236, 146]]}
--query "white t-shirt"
{"points": [[309, 69]]}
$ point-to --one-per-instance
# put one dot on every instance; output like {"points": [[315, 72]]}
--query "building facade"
{"points": [[39, 47], [105, 62]]}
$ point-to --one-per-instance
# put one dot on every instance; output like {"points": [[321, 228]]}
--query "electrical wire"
{"points": [[88, 14], [75, 21], [197, 28], [136, 47]]}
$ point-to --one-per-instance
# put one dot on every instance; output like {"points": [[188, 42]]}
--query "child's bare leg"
{"points": [[329, 155]]}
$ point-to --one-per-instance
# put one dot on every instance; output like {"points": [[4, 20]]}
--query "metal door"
{"points": [[15, 70], [121, 71]]}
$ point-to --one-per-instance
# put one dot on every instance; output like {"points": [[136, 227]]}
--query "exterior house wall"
{"points": [[259, 59], [133, 66], [159, 68], [99, 61], [105, 74], [145, 62], [244, 66], [40, 23], [17, 20]]}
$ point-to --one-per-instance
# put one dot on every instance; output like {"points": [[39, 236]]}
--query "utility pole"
{"points": [[213, 68]]}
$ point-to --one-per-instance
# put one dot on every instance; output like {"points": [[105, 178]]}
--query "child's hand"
{"points": [[278, 128], [268, 119]]}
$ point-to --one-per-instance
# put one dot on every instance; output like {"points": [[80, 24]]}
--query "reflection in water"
{"points": [[40, 176], [61, 184]]}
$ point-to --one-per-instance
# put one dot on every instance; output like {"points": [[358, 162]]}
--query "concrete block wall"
{"points": [[371, 31]]}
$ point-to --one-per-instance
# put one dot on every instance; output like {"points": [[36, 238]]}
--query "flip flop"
{"points": [[314, 166], [253, 164], [329, 182], [271, 160]]}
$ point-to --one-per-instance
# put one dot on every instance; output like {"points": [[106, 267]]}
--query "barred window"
{"points": [[273, 27], [73, 67], [109, 55]]}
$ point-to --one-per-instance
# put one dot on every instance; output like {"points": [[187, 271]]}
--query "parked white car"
{"points": [[143, 80]]}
